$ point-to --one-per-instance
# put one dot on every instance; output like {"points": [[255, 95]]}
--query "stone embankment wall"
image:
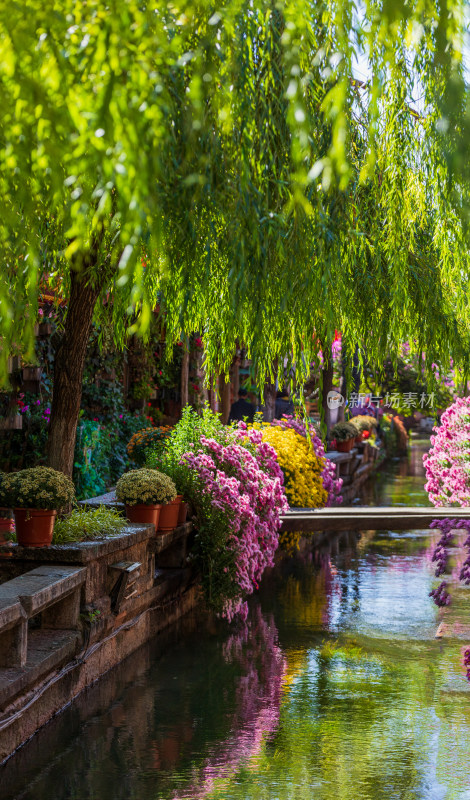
{"points": [[355, 467], [69, 613]]}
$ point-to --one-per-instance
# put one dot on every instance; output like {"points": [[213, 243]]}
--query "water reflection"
{"points": [[171, 724], [335, 689]]}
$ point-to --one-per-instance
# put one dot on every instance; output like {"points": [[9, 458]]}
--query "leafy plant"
{"points": [[4, 499], [38, 487], [343, 431], [146, 486], [83, 525], [168, 454], [153, 439]]}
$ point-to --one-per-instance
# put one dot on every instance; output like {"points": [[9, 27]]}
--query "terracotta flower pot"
{"points": [[144, 513], [34, 526], [183, 513], [358, 438], [169, 515], [345, 447]]}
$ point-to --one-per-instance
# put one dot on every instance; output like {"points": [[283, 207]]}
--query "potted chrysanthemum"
{"points": [[144, 492], [36, 495], [344, 434]]}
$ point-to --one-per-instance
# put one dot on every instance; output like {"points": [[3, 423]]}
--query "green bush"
{"points": [[149, 439], [183, 438], [100, 453]]}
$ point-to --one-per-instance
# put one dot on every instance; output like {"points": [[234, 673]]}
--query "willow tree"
{"points": [[272, 198]]}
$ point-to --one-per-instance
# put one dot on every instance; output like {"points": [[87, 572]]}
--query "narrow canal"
{"points": [[335, 689]]}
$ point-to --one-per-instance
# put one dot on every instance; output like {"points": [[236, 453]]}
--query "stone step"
{"points": [[52, 591]]}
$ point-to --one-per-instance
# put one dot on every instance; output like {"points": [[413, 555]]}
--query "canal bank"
{"points": [[335, 687]]}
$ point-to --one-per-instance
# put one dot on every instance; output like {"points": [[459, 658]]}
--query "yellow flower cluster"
{"points": [[301, 467], [38, 487], [289, 541], [145, 486]]}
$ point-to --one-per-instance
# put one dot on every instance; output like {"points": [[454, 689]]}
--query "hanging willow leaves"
{"points": [[274, 197]]}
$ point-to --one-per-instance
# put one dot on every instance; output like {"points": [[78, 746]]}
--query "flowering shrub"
{"points": [[343, 431], [38, 487], [146, 486], [448, 461], [144, 440], [363, 422], [301, 467], [235, 486], [330, 483]]}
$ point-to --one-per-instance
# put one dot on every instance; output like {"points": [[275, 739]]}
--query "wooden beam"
{"points": [[368, 518]]}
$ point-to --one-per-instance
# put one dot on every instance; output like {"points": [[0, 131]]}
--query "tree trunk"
{"points": [[326, 384], [185, 375], [68, 374], [224, 391], [213, 400]]}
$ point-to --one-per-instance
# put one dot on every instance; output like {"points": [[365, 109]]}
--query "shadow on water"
{"points": [[335, 689]]}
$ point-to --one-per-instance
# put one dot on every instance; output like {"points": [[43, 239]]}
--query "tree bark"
{"points": [[68, 373], [185, 375], [224, 391], [326, 384]]}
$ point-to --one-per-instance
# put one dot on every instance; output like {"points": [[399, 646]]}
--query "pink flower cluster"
{"points": [[440, 555], [243, 480], [330, 482], [448, 461]]}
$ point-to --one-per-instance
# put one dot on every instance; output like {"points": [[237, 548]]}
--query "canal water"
{"points": [[335, 689]]}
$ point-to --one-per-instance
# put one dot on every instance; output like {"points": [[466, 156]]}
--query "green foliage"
{"points": [[343, 431], [38, 487], [100, 453], [146, 486], [145, 441], [394, 435], [228, 160], [184, 438], [4, 499], [84, 525]]}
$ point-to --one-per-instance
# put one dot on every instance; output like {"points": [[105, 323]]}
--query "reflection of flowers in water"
{"points": [[254, 647]]}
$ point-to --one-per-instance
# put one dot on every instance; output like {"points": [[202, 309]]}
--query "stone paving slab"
{"points": [[42, 587]]}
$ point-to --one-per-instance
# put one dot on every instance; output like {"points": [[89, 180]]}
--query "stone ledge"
{"points": [[80, 552], [47, 650]]}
